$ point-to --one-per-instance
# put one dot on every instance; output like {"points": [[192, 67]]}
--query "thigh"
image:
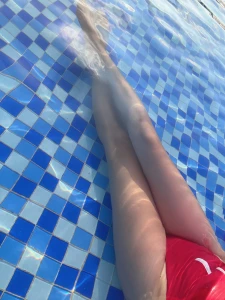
{"points": [[179, 210], [139, 236]]}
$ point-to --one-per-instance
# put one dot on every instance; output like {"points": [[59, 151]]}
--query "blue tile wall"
{"points": [[56, 238]]}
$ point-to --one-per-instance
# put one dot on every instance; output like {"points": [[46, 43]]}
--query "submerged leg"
{"points": [[139, 237], [179, 210]]}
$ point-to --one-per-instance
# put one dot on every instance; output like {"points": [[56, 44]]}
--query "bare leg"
{"points": [[178, 208], [139, 237]]}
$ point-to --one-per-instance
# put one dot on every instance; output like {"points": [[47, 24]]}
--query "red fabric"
{"points": [[188, 279]]}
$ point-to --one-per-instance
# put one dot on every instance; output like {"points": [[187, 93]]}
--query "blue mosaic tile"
{"points": [[71, 213], [48, 269], [21, 230], [20, 283], [56, 249], [24, 187], [66, 277], [81, 239], [11, 250], [46, 113], [85, 284], [48, 220], [39, 239], [13, 203]]}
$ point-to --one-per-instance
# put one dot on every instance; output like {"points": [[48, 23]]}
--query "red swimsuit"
{"points": [[193, 272]]}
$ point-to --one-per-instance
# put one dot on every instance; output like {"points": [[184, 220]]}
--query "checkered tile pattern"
{"points": [[55, 209]]}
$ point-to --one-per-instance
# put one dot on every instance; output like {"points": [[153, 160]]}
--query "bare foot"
{"points": [[94, 24]]}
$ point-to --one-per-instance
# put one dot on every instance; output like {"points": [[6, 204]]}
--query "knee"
{"points": [[140, 123]]}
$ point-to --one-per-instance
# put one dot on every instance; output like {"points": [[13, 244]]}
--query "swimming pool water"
{"points": [[55, 212]]}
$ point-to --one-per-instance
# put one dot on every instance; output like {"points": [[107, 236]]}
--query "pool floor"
{"points": [[56, 239]]}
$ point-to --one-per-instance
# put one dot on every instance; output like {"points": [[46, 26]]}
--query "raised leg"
{"points": [[179, 210], [139, 237]]}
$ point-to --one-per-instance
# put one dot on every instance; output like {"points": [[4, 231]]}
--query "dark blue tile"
{"points": [[58, 68], [65, 85], [85, 284], [36, 105], [101, 181], [55, 136], [66, 277], [75, 69], [75, 165], [72, 103], [2, 129], [32, 82], [48, 220], [114, 293], [62, 155], [79, 123], [92, 206], [105, 215], [42, 42], [91, 132], [24, 39], [13, 203], [83, 185], [5, 61], [7, 12], [107, 200], [91, 264], [56, 248], [5, 151], [74, 134], [109, 254], [25, 16], [25, 63], [93, 161], [102, 231], [11, 106], [11, 250], [49, 182], [20, 283], [24, 187], [71, 212], [49, 83], [38, 5], [98, 150], [2, 237], [43, 20], [41, 158], [21, 230], [34, 137], [2, 43]]}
